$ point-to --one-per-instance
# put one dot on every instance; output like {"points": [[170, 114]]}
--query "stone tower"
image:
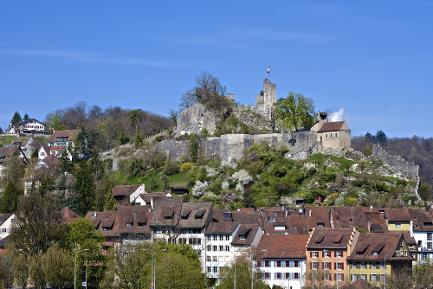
{"points": [[266, 99]]}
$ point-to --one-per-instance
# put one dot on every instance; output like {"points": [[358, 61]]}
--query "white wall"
{"points": [[423, 251], [289, 283], [6, 227]]}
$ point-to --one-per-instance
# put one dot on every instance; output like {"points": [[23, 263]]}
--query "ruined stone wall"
{"points": [[400, 166], [231, 147]]}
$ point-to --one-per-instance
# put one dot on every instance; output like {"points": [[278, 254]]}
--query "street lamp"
{"points": [[75, 267]]}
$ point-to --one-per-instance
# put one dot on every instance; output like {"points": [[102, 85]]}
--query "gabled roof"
{"points": [[422, 220], [358, 217], [194, 215], [166, 212], [221, 228], [124, 190], [331, 126], [378, 247], [68, 134], [325, 238], [398, 215], [245, 234], [282, 247], [68, 215], [4, 217]]}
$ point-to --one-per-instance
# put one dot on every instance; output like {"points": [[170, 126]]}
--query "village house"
{"points": [[6, 223], [63, 138], [126, 194], [125, 225], [327, 251], [7, 153], [281, 259], [399, 219], [331, 134], [377, 256], [422, 233]]}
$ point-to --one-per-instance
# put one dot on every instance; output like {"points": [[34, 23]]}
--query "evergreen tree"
{"points": [[381, 137], [16, 119], [9, 198], [83, 194], [26, 117], [1, 131]]}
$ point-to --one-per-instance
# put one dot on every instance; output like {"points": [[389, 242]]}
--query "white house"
{"points": [[6, 223], [423, 234], [219, 252], [32, 127], [281, 259]]}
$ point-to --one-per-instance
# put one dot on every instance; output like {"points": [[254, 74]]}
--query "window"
{"points": [[227, 237], [327, 276], [315, 265], [295, 276], [363, 265], [278, 275], [209, 269], [376, 265], [339, 266], [326, 265], [429, 236], [221, 237], [397, 225], [374, 277], [326, 253], [287, 276], [208, 259], [209, 248], [338, 253], [4, 230], [227, 248], [267, 264], [278, 263], [429, 245], [266, 276], [314, 254], [215, 238], [215, 269], [215, 248], [221, 248], [339, 277], [215, 259]]}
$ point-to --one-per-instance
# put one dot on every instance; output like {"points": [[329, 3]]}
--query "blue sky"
{"points": [[372, 58]]}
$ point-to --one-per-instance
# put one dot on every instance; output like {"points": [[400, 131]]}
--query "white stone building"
{"points": [[281, 260]]}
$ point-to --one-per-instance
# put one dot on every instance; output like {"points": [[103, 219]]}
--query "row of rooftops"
{"points": [[374, 247]]}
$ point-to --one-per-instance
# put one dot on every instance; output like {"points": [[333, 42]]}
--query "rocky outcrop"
{"points": [[195, 119], [401, 167]]}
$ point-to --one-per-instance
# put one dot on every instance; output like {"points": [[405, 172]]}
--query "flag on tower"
{"points": [[268, 70]]}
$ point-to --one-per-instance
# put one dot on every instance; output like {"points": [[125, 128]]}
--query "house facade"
{"points": [[377, 256], [327, 252], [331, 134], [281, 260]]}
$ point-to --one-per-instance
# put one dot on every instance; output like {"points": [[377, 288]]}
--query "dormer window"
{"points": [[242, 237]]}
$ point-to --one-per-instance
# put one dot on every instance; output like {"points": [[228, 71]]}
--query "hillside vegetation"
{"points": [[264, 177]]}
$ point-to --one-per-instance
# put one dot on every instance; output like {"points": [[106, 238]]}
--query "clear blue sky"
{"points": [[374, 58]]}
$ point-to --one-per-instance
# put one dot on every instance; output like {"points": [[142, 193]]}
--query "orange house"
{"points": [[327, 251]]}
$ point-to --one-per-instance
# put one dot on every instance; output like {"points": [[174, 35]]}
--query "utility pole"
{"points": [[234, 279]]}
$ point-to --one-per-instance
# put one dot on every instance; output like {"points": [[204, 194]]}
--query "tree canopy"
{"points": [[294, 113]]}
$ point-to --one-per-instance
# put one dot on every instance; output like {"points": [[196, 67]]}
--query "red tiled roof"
{"points": [[325, 238], [68, 215], [124, 190], [378, 246], [282, 247], [69, 134], [331, 126]]}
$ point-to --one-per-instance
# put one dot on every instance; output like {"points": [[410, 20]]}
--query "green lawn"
{"points": [[6, 139]]}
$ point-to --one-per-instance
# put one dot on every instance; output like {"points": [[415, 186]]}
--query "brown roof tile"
{"points": [[195, 215], [282, 247], [331, 126], [325, 238], [245, 234], [124, 190], [378, 246]]}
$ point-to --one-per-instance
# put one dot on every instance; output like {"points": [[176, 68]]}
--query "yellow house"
{"points": [[378, 255], [399, 220]]}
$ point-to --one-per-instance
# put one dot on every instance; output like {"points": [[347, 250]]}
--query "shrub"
{"points": [[171, 168], [186, 167], [136, 168]]}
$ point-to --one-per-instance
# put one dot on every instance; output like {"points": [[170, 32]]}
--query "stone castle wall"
{"points": [[231, 147]]}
